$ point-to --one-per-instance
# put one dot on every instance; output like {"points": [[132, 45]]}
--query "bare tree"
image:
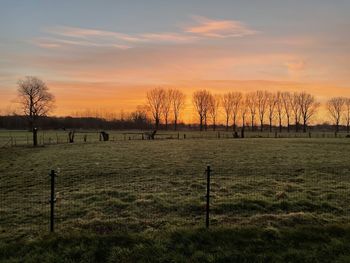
{"points": [[227, 105], [347, 114], [279, 109], [308, 107], [178, 102], [36, 101], [287, 106], [236, 102], [335, 108], [243, 110], [201, 103], [155, 99], [35, 98], [261, 99], [295, 107], [271, 108], [250, 101], [166, 106], [214, 106]]}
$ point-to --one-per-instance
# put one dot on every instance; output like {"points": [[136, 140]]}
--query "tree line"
{"points": [[255, 109]]}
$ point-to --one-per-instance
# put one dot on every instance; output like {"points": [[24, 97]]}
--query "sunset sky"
{"points": [[106, 54]]}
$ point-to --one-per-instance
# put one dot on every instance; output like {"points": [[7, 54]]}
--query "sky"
{"points": [[107, 54]]}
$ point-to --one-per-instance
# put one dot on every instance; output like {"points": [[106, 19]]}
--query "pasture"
{"points": [[151, 194]]}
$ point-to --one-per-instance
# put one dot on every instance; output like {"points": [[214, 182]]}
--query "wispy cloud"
{"points": [[50, 42], [201, 28], [295, 65], [219, 28]]}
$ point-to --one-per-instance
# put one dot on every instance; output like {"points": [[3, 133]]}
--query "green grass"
{"points": [[150, 191]]}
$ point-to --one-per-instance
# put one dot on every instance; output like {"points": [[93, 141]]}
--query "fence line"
{"points": [[138, 200]]}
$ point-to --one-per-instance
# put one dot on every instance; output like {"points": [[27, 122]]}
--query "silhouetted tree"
{"points": [[166, 106], [214, 106], [201, 103], [295, 106], [308, 107], [347, 114], [227, 106], [236, 103], [279, 109], [287, 107], [155, 99], [271, 108], [35, 99], [178, 102], [251, 103], [243, 111], [261, 100], [335, 108]]}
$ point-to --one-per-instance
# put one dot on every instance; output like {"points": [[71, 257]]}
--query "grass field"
{"points": [[273, 199]]}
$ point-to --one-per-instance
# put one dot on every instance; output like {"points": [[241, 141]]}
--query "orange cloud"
{"points": [[295, 65], [219, 28]]}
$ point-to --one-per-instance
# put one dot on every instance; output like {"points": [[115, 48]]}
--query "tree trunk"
{"points": [[261, 126], [252, 123], [35, 136], [157, 123], [227, 123], [270, 125], [304, 126], [280, 124], [175, 124], [234, 123], [201, 123]]}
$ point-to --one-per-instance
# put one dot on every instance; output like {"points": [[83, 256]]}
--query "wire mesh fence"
{"points": [[105, 199], [25, 138]]}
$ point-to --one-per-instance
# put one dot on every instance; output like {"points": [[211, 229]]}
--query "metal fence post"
{"points": [[208, 170], [52, 201]]}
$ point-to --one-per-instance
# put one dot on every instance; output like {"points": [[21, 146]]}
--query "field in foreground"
{"points": [[264, 192]]}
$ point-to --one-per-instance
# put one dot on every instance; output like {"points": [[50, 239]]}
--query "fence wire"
{"points": [[103, 200]]}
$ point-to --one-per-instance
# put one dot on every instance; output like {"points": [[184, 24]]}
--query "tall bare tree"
{"points": [[279, 109], [347, 114], [155, 99], [227, 106], [178, 102], [271, 108], [236, 102], [261, 99], [201, 103], [287, 107], [336, 108], [295, 106], [35, 99], [166, 106], [243, 110], [214, 106], [250, 101], [308, 107]]}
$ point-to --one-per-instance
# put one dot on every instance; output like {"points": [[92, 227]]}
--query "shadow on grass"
{"points": [[298, 244]]}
